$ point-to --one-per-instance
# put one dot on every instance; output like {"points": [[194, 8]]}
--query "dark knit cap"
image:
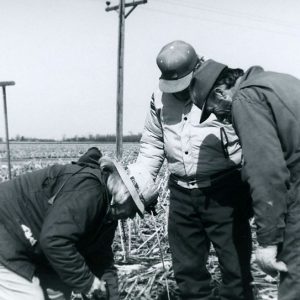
{"points": [[90, 158]]}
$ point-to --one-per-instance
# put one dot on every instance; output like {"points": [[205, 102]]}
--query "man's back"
{"points": [[25, 205], [279, 93]]}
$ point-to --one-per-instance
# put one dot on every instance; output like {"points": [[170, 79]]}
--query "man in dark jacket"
{"points": [[60, 222], [265, 111]]}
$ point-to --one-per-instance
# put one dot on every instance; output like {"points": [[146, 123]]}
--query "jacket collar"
{"points": [[250, 73]]}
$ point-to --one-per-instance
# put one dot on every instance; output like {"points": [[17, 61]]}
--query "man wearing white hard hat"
{"points": [[57, 226], [208, 201]]}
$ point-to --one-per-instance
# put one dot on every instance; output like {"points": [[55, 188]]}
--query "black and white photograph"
{"points": [[149, 150]]}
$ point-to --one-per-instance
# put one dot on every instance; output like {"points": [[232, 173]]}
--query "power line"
{"points": [[182, 15], [231, 13]]}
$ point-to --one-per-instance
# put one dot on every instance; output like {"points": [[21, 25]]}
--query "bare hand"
{"points": [[266, 260]]}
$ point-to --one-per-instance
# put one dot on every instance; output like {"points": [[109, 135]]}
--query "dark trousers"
{"points": [[289, 287], [219, 215]]}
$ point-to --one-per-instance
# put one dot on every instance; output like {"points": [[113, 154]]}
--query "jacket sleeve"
{"points": [[99, 254], [99, 257], [151, 153], [264, 164], [69, 220]]}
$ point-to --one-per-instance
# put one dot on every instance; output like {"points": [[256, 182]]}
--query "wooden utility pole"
{"points": [[4, 84], [120, 71], [120, 86]]}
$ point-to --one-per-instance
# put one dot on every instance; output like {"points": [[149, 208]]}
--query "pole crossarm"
{"points": [[5, 83], [134, 3], [131, 10]]}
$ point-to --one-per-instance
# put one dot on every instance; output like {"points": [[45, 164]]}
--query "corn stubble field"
{"points": [[139, 243]]}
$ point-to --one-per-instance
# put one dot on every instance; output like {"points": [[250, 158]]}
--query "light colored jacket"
{"points": [[196, 153]]}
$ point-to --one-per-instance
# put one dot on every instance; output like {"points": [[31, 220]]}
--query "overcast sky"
{"points": [[62, 55]]}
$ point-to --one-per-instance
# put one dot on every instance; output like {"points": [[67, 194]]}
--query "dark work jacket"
{"points": [[266, 116], [71, 236]]}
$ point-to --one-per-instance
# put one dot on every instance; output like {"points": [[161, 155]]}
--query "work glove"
{"points": [[267, 261], [150, 208], [98, 291], [76, 296]]}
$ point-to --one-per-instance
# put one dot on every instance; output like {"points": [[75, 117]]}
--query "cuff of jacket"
{"points": [[87, 288], [270, 237]]}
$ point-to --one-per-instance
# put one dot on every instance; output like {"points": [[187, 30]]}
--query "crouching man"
{"points": [[57, 226]]}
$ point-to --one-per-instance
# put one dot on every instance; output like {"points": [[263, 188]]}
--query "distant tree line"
{"points": [[108, 138], [21, 138]]}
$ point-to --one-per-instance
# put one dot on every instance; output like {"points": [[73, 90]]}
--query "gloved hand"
{"points": [[150, 208], [98, 290], [266, 260], [76, 296]]}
